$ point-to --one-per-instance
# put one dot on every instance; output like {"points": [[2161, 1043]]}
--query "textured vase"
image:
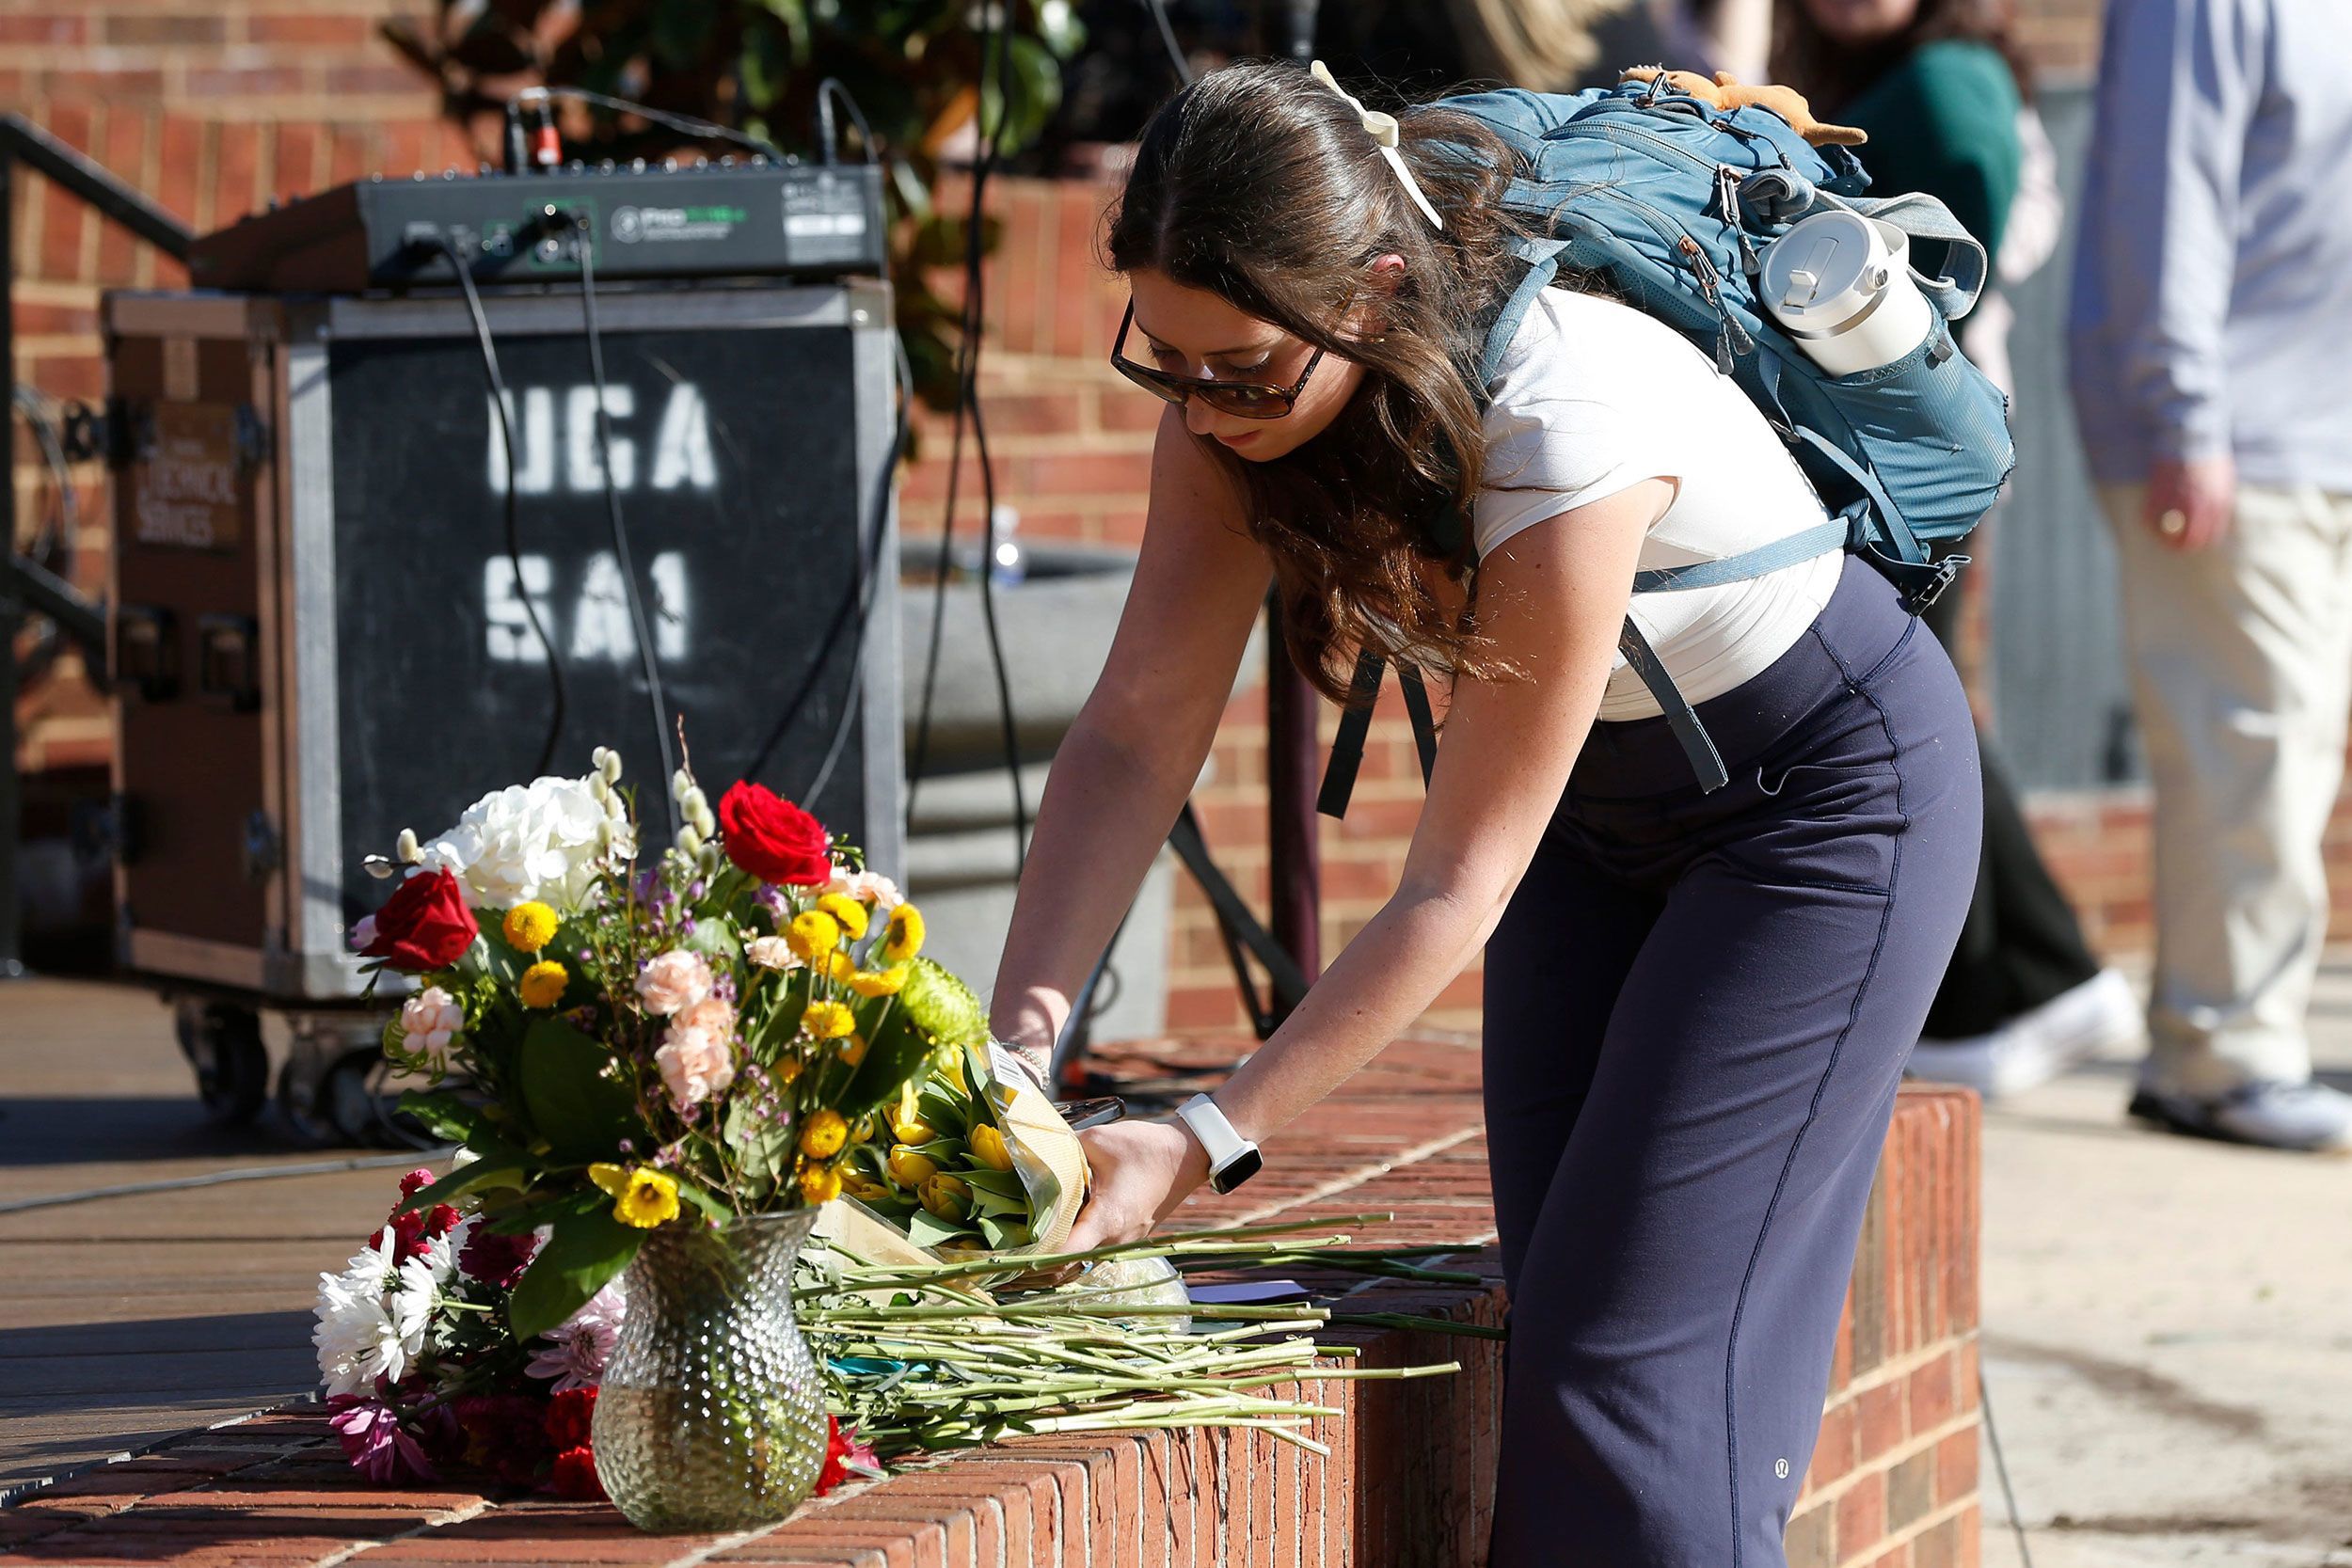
{"points": [[712, 1414]]}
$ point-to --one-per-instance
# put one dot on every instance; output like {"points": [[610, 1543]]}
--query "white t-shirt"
{"points": [[1593, 397]]}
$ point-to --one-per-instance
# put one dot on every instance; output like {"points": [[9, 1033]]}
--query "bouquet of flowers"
{"points": [[716, 1033], [977, 1160], [421, 1366]]}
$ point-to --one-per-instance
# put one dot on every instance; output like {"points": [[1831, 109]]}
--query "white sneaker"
{"points": [[2036, 1046], [2308, 1116]]}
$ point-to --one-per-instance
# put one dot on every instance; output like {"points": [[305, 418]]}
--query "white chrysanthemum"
{"points": [[543, 840], [357, 1340]]}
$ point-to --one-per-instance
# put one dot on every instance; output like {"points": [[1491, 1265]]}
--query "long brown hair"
{"points": [[1832, 74], [1260, 185]]}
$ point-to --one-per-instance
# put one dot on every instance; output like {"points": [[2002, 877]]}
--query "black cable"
{"points": [[828, 141], [992, 151], [612, 509], [499, 403], [1168, 35], [870, 572], [684, 124]]}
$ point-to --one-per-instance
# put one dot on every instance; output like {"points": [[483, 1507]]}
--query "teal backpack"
{"points": [[1665, 200]]}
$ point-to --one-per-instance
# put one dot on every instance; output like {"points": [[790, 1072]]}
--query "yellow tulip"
{"points": [[861, 1189], [988, 1147], [946, 1196], [910, 1168]]}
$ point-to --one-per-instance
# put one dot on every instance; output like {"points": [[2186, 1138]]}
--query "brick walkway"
{"points": [[1410, 1470]]}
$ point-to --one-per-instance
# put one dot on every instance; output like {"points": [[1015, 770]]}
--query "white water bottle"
{"points": [[1840, 284]]}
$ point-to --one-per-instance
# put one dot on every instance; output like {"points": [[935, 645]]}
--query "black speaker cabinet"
{"points": [[320, 635]]}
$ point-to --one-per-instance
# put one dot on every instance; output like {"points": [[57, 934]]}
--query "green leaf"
{"points": [[581, 1258], [1002, 1184], [444, 1115], [582, 1113], [715, 938], [498, 1160], [1001, 1235], [708, 1202], [925, 1229]]}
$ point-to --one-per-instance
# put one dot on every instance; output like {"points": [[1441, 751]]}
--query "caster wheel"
{"points": [[350, 1102], [223, 1044]]}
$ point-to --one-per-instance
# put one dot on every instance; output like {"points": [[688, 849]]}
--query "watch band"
{"points": [[1232, 1159]]}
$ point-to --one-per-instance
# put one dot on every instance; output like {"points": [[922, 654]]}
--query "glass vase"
{"points": [[712, 1414]]}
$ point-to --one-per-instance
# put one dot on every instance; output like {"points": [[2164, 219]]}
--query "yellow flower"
{"points": [[823, 1133], [906, 1122], [641, 1197], [948, 1062], [848, 910], [820, 1185], [862, 1131], [543, 983], [861, 1189], [813, 934], [911, 1170], [947, 1198], [530, 927], [853, 1049], [903, 938], [988, 1147], [842, 968], [875, 982], [787, 1070], [828, 1020]]}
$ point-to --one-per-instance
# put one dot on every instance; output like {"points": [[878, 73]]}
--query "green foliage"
{"points": [[578, 1105], [586, 1248], [914, 68], [931, 1009]]}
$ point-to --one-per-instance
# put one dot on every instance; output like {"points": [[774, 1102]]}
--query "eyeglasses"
{"points": [[1244, 399]]}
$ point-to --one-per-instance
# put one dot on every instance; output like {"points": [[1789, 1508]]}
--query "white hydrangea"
{"points": [[543, 840]]}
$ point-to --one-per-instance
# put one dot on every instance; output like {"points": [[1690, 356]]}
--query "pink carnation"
{"points": [[697, 1055], [673, 982]]}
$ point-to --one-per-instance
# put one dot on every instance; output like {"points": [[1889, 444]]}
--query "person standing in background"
{"points": [[2212, 294], [1940, 89]]}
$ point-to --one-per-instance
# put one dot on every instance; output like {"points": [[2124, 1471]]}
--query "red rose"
{"points": [[773, 839], [570, 1413], [576, 1477], [424, 925]]}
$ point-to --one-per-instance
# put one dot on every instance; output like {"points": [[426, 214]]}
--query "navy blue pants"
{"points": [[1697, 1010]]}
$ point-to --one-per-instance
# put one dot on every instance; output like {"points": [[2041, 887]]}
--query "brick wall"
{"points": [[1893, 1483], [211, 108]]}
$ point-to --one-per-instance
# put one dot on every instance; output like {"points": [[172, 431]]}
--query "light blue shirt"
{"points": [[2213, 287]]}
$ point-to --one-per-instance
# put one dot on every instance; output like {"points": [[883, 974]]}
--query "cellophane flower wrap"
{"points": [[624, 1040]]}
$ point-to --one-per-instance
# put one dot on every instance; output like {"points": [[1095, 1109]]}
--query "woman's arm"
{"points": [[1555, 597], [1128, 762]]}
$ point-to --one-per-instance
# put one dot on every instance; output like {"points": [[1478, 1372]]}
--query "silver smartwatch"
{"points": [[1232, 1159]]}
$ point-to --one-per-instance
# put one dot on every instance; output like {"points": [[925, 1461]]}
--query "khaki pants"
{"points": [[2242, 669]]}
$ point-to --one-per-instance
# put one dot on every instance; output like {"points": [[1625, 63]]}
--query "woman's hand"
{"points": [[1141, 1170]]}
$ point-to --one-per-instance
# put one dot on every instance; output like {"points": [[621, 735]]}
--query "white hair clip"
{"points": [[1382, 129]]}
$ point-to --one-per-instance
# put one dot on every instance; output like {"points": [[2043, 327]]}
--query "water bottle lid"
{"points": [[1829, 269]]}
